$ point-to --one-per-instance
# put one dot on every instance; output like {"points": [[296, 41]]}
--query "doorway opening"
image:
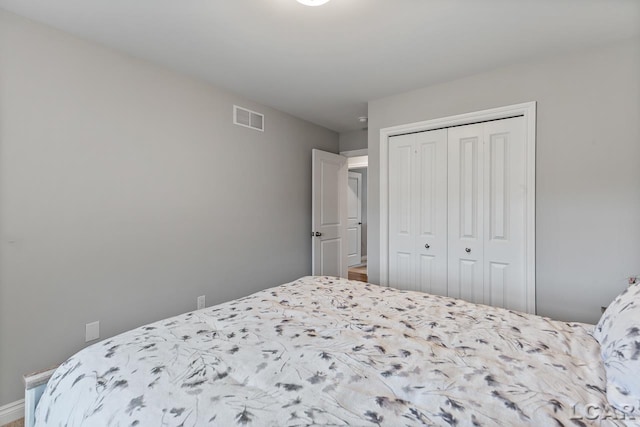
{"points": [[357, 185]]}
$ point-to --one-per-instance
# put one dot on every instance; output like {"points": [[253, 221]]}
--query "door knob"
{"points": [[426, 246], [468, 250], [318, 234], [359, 223]]}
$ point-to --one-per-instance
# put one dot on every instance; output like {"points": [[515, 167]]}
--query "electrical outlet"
{"points": [[92, 331], [201, 302]]}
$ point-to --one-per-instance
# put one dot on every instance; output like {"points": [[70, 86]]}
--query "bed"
{"points": [[328, 351]]}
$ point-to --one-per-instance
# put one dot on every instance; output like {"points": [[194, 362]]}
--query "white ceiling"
{"points": [[324, 63]]}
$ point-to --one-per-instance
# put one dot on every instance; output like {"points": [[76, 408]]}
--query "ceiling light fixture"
{"points": [[313, 2]]}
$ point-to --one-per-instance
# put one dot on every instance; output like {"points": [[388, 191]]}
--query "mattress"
{"points": [[327, 351]]}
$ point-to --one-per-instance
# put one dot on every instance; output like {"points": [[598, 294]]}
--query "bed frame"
{"points": [[34, 385]]}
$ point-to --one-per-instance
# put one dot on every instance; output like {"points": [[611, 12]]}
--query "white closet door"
{"points": [[418, 212], [487, 205], [466, 212], [430, 200], [504, 213], [401, 207]]}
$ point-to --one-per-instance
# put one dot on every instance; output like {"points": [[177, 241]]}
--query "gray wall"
{"points": [[354, 140], [126, 192], [363, 171], [588, 167]]}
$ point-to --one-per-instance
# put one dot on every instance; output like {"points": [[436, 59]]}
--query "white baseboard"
{"points": [[11, 412]]}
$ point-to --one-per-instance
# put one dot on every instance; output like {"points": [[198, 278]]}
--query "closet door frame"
{"points": [[528, 111]]}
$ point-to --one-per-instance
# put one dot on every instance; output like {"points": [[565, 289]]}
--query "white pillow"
{"points": [[618, 333]]}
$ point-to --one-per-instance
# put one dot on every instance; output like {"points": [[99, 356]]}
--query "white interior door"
{"points": [[505, 214], [354, 219], [401, 233], [329, 214], [487, 213], [466, 212], [431, 207], [418, 211]]}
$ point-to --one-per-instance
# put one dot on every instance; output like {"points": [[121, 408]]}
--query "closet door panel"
{"points": [[467, 283], [401, 212], [505, 179], [427, 278], [466, 212], [403, 278], [496, 291], [431, 208]]}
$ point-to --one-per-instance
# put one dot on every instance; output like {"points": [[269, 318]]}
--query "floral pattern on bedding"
{"points": [[327, 351]]}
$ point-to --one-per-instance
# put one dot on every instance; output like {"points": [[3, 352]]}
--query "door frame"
{"points": [[356, 158], [526, 110]]}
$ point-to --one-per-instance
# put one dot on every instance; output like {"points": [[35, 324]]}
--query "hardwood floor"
{"points": [[17, 423], [358, 272]]}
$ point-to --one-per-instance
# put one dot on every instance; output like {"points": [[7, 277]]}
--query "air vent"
{"points": [[248, 118]]}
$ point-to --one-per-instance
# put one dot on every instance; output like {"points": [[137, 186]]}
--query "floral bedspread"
{"points": [[327, 351]]}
